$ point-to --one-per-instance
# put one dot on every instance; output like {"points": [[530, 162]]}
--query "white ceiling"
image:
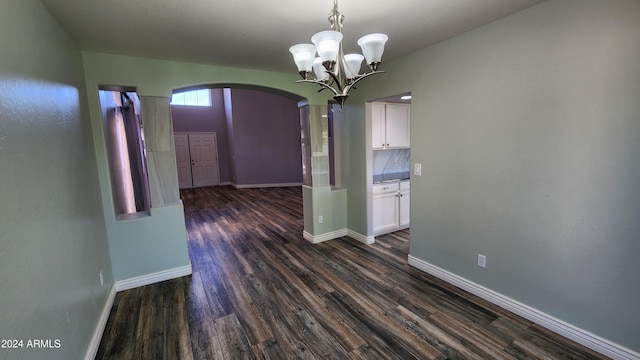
{"points": [[258, 33]]}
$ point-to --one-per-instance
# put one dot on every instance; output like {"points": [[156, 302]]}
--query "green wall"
{"points": [[154, 77], [528, 131], [53, 242]]}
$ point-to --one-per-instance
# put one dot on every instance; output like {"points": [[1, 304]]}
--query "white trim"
{"points": [[572, 332], [102, 323], [315, 239], [362, 238], [250, 186], [153, 278]]}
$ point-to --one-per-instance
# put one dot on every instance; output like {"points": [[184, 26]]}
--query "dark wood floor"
{"points": [[260, 291]]}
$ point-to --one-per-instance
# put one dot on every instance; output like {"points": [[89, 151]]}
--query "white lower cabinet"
{"points": [[385, 207], [404, 203], [390, 207]]}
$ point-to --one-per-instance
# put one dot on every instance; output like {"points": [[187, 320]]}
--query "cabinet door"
{"points": [[385, 213], [377, 126], [404, 207], [397, 125], [405, 189]]}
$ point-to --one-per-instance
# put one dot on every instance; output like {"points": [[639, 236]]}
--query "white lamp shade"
{"points": [[303, 55], [353, 62], [319, 70], [327, 44], [373, 46]]}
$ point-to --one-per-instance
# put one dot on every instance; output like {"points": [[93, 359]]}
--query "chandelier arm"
{"points": [[325, 86], [336, 80], [358, 78]]}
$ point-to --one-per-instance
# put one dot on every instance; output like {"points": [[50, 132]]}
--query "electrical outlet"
{"points": [[320, 219], [417, 169], [101, 279], [482, 261]]}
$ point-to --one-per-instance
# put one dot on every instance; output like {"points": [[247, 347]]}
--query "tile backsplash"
{"points": [[386, 162]]}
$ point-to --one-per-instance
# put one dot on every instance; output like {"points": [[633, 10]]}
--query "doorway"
{"points": [[390, 155]]}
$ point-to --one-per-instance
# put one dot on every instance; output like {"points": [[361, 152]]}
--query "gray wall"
{"points": [[53, 241], [266, 138], [262, 131], [528, 131]]}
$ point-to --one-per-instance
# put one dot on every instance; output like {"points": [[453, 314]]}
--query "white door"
{"points": [[183, 159], [204, 159]]}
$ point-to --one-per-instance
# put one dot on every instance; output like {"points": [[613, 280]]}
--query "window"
{"points": [[200, 97]]}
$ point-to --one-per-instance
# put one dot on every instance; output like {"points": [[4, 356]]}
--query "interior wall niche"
{"points": [[124, 136]]}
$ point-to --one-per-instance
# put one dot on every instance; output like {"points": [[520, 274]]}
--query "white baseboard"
{"points": [[572, 332], [362, 238], [153, 278], [102, 323], [315, 239], [249, 186]]}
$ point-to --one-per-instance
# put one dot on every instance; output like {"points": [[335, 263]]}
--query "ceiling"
{"points": [[258, 33]]}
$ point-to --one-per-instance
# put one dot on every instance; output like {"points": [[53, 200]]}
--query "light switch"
{"points": [[417, 169]]}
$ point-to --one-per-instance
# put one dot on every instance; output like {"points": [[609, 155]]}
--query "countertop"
{"points": [[391, 177]]}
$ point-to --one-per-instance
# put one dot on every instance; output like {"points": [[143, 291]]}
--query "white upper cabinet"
{"points": [[390, 126], [397, 125], [378, 124]]}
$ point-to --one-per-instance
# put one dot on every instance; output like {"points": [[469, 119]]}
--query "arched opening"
{"points": [[258, 140]]}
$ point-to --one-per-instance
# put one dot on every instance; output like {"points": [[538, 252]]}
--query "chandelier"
{"points": [[333, 70]]}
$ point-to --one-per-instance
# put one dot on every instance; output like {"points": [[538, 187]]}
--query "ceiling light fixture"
{"points": [[332, 69]]}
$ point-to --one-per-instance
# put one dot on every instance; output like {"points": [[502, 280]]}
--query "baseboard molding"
{"points": [[574, 333], [102, 323], [316, 239], [153, 278], [250, 186], [361, 238]]}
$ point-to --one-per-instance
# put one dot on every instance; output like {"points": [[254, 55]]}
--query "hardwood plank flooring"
{"points": [[260, 291]]}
